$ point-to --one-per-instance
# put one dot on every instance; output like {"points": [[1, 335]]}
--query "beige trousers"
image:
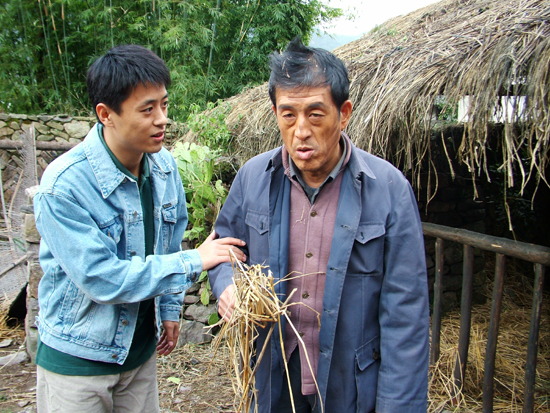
{"points": [[135, 391]]}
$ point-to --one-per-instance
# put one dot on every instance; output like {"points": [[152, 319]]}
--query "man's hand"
{"points": [[169, 337], [226, 303], [215, 251]]}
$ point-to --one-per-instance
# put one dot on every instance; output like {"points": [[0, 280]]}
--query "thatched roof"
{"points": [[400, 71]]}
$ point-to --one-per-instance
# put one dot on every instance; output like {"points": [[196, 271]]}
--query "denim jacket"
{"points": [[93, 251]]}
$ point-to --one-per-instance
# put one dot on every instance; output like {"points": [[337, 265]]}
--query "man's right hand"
{"points": [[226, 303], [215, 251]]}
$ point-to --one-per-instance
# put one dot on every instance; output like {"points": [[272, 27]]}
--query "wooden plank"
{"points": [[490, 354], [523, 250], [41, 145], [438, 292], [465, 319], [533, 344]]}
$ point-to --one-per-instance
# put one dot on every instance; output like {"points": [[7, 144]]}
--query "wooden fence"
{"points": [[502, 247]]}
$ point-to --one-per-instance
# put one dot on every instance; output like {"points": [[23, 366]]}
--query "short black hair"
{"points": [[300, 66], [113, 77]]}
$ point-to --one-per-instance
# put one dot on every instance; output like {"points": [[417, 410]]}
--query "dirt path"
{"points": [[184, 384]]}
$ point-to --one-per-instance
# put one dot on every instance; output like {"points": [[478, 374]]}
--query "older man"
{"points": [[349, 221]]}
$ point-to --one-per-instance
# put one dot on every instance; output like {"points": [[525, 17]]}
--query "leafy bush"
{"points": [[204, 196]]}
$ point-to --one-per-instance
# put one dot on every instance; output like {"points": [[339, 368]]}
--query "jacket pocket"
{"points": [[113, 229], [367, 365], [169, 214], [367, 255], [258, 233]]}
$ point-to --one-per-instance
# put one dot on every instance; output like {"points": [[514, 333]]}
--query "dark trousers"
{"points": [[302, 404]]}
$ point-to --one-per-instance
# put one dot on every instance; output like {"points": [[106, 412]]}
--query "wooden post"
{"points": [[465, 319], [438, 291], [532, 346], [490, 354]]}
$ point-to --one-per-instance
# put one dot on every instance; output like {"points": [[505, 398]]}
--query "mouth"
{"points": [[304, 153], [158, 136]]}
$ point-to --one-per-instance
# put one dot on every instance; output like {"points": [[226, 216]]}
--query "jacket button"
{"points": [[135, 214], [124, 322], [309, 255], [132, 253], [313, 213], [114, 356], [305, 295], [375, 355], [301, 334]]}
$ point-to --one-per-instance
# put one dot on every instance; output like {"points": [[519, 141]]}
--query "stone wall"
{"points": [[61, 128]]}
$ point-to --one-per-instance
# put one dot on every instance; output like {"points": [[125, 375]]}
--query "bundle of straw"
{"points": [[256, 307]]}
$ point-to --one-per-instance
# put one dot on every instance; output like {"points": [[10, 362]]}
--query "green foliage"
{"points": [[213, 48], [204, 197], [211, 129]]}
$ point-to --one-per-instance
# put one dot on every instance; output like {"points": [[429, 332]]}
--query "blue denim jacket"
{"points": [[93, 251]]}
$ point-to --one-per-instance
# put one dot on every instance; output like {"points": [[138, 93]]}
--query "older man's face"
{"points": [[310, 126]]}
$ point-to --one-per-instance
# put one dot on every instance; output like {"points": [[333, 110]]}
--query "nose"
{"points": [[161, 117], [303, 130]]}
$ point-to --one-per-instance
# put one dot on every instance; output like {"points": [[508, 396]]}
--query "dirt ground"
{"points": [[184, 384]]}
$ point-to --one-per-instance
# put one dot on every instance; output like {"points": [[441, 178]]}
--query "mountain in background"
{"points": [[330, 42]]}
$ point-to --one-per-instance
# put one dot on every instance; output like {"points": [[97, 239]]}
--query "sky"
{"points": [[369, 13]]}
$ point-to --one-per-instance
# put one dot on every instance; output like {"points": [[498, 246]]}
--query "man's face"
{"points": [[310, 126], [139, 127]]}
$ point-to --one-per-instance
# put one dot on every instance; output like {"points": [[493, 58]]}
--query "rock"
{"points": [[63, 135], [5, 131], [199, 312], [13, 359], [45, 138], [14, 116], [193, 289], [45, 118], [190, 299], [2, 124], [55, 125], [15, 125], [193, 332], [77, 129], [6, 343], [63, 118], [31, 233], [43, 129]]}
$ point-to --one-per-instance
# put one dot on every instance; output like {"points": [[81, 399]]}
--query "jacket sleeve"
{"points": [[403, 311], [75, 243], [170, 304], [230, 223]]}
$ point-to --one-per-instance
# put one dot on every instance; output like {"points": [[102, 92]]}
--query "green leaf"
{"points": [[205, 296], [174, 380], [203, 276], [213, 319]]}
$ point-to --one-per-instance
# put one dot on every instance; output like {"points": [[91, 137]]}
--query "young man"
{"points": [[318, 205], [112, 213]]}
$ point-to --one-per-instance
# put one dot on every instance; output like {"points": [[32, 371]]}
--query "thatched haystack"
{"points": [[430, 60]]}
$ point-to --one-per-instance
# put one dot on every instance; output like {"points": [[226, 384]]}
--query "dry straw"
{"points": [[257, 306], [510, 360]]}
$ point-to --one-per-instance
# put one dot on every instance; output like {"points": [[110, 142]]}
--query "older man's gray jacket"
{"points": [[374, 336]]}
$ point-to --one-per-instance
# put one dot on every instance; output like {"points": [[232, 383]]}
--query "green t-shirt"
{"points": [[144, 341]]}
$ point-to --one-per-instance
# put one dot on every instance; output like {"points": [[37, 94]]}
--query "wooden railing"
{"points": [[502, 247]]}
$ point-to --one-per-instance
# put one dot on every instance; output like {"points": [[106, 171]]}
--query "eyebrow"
{"points": [[314, 105], [148, 102]]}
